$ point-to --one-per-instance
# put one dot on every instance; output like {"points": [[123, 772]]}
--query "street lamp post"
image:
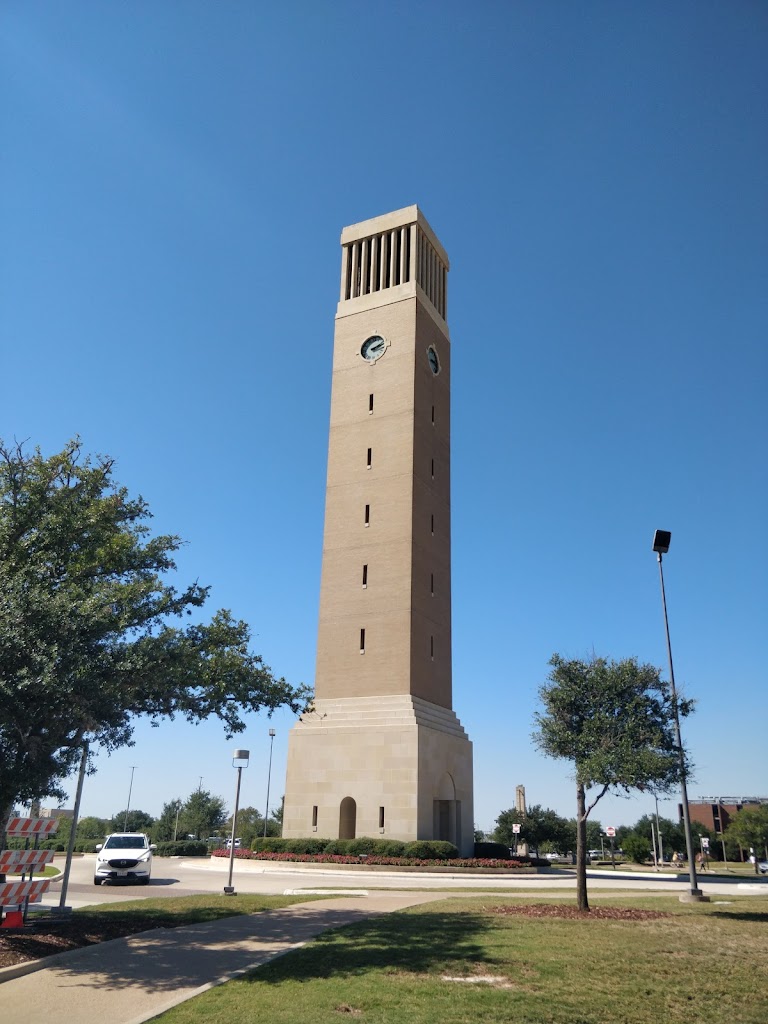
{"points": [[269, 778], [658, 830], [661, 539], [127, 809], [240, 756]]}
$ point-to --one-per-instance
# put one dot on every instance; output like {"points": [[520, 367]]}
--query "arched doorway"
{"points": [[446, 824], [347, 818]]}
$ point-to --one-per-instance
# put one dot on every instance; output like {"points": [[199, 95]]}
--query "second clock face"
{"points": [[434, 362], [373, 348]]}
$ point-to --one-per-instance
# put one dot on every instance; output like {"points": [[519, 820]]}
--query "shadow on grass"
{"points": [[407, 942], [348, 941], [754, 916]]}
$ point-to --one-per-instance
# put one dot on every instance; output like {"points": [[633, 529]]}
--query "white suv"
{"points": [[124, 856]]}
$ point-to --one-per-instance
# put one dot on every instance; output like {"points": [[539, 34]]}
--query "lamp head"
{"points": [[661, 541], [272, 733], [240, 756]]}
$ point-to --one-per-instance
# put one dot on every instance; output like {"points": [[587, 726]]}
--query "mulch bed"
{"points": [[569, 912], [45, 935]]}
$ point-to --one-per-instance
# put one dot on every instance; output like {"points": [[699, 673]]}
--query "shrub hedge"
{"points": [[186, 848], [364, 846]]}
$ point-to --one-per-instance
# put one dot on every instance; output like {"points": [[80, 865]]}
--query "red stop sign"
{"points": [[610, 831]]}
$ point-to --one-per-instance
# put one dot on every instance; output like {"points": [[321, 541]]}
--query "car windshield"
{"points": [[125, 843]]}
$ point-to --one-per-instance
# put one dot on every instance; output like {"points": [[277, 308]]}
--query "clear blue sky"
{"points": [[174, 178]]}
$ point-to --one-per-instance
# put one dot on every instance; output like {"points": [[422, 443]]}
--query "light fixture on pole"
{"points": [[239, 761], [269, 778], [661, 539], [125, 819]]}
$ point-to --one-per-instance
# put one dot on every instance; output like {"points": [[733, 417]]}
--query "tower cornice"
{"points": [[390, 222]]}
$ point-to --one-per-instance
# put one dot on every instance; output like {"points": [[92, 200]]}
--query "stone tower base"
{"points": [[393, 767]]}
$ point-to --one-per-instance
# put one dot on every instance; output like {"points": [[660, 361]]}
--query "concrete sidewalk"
{"points": [[130, 980]]}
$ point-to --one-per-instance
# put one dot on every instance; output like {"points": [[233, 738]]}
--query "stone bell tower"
{"points": [[383, 754]]}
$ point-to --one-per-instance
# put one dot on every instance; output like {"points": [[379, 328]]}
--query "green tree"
{"points": [[250, 825], [614, 721], [637, 847], [750, 830], [92, 828], [503, 833], [166, 826], [538, 825], [88, 626], [131, 821], [201, 815]]}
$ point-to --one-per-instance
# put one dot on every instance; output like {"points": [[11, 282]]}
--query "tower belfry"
{"points": [[382, 753]]}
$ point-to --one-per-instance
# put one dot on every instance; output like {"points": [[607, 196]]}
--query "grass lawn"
{"points": [[466, 961]]}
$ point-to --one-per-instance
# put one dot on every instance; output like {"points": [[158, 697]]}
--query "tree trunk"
{"points": [[581, 848]]}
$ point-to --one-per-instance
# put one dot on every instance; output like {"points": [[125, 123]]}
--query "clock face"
{"points": [[373, 348], [434, 362]]}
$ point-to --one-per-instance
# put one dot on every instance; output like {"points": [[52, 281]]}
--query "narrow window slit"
{"points": [[362, 641], [365, 576]]}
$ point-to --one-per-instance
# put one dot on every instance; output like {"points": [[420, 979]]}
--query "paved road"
{"points": [[178, 877]]}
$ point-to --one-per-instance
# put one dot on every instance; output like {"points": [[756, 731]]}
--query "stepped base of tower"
{"points": [[393, 767]]}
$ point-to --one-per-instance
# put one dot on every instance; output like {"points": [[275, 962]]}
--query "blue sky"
{"points": [[173, 182]]}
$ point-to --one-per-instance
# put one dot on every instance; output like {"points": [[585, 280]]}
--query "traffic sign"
{"points": [[516, 828], [610, 831], [704, 843]]}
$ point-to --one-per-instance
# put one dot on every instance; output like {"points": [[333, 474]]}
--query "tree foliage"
{"points": [[749, 829], [166, 826], [89, 626], [539, 825], [201, 815], [92, 828], [614, 722], [131, 821]]}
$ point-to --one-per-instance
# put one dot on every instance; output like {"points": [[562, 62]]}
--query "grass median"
{"points": [[640, 960]]}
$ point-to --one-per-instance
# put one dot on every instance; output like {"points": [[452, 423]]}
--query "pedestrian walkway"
{"points": [[127, 981]]}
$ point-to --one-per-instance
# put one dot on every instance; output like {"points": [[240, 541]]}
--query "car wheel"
{"points": [[145, 881], [96, 880]]}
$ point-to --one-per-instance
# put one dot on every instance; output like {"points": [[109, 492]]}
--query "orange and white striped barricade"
{"points": [[29, 828], [13, 894], [24, 860]]}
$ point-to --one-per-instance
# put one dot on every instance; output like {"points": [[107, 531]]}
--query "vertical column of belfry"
{"points": [[383, 753]]}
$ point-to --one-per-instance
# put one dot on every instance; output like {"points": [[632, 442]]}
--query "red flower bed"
{"points": [[394, 862]]}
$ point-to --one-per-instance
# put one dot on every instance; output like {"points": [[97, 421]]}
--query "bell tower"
{"points": [[383, 754]]}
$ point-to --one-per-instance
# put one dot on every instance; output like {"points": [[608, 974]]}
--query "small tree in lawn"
{"points": [[750, 829], [614, 721]]}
